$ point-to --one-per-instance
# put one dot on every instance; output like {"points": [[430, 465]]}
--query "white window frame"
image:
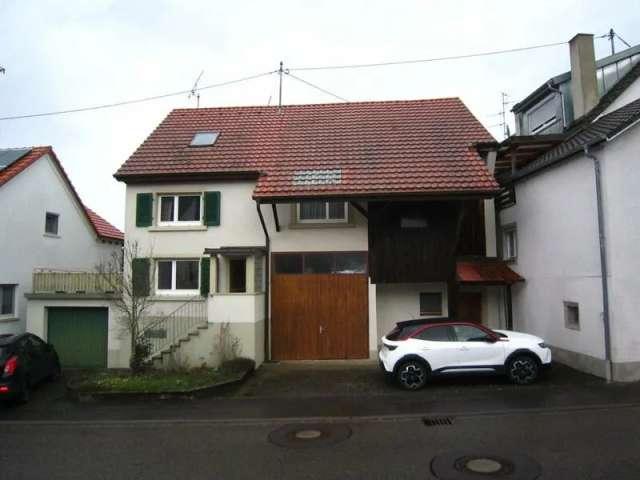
{"points": [[326, 218], [13, 313], [175, 221], [507, 254], [174, 290]]}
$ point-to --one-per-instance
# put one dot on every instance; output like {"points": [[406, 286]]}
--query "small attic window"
{"points": [[204, 139]]}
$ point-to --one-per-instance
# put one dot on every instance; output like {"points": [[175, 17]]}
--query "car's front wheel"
{"points": [[523, 370], [412, 374]]}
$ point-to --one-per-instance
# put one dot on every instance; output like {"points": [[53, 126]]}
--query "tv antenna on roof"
{"points": [[194, 90]]}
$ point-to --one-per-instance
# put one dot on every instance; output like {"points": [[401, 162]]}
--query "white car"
{"points": [[418, 349]]}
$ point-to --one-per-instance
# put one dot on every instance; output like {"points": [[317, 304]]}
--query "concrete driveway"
{"points": [[363, 377]]}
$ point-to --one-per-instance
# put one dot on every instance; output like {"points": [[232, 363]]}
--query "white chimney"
{"points": [[584, 86]]}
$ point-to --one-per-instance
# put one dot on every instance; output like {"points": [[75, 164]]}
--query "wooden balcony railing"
{"points": [[74, 282]]}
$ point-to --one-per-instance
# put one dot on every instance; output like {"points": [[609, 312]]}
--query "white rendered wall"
{"points": [[24, 201], [396, 302], [620, 162], [558, 256]]}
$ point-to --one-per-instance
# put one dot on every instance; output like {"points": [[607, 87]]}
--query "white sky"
{"points": [[74, 53]]}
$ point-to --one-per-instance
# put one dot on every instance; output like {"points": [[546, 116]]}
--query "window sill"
{"points": [[159, 297], [8, 319], [50, 235], [179, 228]]}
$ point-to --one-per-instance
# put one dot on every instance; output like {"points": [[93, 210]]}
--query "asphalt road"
{"points": [[591, 443]]}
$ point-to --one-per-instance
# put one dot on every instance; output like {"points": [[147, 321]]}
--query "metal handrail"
{"points": [[166, 331]]}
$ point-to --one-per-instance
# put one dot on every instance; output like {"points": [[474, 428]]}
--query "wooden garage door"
{"points": [[79, 335], [319, 306]]}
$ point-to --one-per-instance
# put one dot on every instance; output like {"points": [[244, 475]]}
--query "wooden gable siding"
{"points": [[422, 254]]}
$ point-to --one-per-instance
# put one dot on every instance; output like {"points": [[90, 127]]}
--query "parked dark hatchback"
{"points": [[25, 361]]}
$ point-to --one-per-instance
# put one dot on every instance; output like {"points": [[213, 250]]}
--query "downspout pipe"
{"points": [[267, 286], [603, 263]]}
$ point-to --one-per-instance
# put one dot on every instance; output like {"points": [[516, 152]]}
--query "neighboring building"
{"points": [[43, 226], [310, 230], [552, 231]]}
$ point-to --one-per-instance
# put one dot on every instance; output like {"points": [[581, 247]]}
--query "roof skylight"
{"points": [[204, 139]]}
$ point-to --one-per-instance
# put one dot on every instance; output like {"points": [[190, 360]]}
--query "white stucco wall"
{"points": [[558, 257], [396, 302], [621, 177], [24, 201]]}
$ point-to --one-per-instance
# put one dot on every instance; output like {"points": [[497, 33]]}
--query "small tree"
{"points": [[128, 275]]}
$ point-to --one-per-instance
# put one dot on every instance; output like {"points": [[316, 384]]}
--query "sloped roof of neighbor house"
{"points": [[22, 158], [363, 149]]}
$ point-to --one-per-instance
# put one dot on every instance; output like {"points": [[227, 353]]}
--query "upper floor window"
{"points": [[204, 139], [177, 276], [313, 211], [510, 243], [51, 223], [7, 299], [180, 209]]}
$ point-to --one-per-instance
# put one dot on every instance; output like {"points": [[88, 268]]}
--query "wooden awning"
{"points": [[486, 271]]}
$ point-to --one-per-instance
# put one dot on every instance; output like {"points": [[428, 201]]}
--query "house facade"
{"points": [[43, 231], [568, 221], [307, 232]]}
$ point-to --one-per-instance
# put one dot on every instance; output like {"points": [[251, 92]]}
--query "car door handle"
{"points": [[464, 349]]}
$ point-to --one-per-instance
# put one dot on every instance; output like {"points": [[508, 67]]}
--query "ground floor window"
{"points": [[572, 315], [178, 276], [7, 299], [321, 263], [510, 243], [430, 303]]}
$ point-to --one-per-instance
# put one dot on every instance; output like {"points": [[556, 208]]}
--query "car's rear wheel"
{"points": [[412, 374], [523, 370]]}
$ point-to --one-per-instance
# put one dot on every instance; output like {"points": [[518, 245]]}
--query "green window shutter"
{"points": [[205, 268], [144, 209], [140, 276], [212, 208]]}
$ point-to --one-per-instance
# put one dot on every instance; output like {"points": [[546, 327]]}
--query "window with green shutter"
{"points": [[140, 276], [205, 268], [212, 208], [144, 209]]}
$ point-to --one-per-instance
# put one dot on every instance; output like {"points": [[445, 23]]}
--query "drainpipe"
{"points": [[267, 284], [603, 264]]}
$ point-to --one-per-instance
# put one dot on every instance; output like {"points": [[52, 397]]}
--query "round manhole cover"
{"points": [[465, 466], [483, 465], [306, 436]]}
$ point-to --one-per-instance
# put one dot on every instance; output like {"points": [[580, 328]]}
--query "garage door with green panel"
{"points": [[79, 335]]}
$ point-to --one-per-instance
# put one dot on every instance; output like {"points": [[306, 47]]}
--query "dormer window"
{"points": [[204, 139]]}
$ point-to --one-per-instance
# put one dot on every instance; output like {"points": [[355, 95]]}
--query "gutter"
{"points": [[267, 284], [603, 263]]}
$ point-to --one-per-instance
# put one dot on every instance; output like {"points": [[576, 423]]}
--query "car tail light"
{"points": [[10, 366], [4, 389], [391, 348]]}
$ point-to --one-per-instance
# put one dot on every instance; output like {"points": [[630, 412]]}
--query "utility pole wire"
{"points": [[426, 60], [138, 100], [317, 87]]}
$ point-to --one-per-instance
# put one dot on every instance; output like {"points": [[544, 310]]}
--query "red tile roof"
{"points": [[102, 228], [486, 271], [374, 148]]}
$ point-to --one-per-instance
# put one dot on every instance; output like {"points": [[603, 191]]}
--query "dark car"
{"points": [[25, 361]]}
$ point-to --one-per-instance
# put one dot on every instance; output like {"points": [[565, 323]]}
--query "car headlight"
{"points": [[543, 345]]}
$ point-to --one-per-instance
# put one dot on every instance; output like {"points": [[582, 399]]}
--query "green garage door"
{"points": [[79, 335]]}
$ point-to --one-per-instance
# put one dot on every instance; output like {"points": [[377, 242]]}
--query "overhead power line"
{"points": [[426, 60], [316, 87], [137, 100]]}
